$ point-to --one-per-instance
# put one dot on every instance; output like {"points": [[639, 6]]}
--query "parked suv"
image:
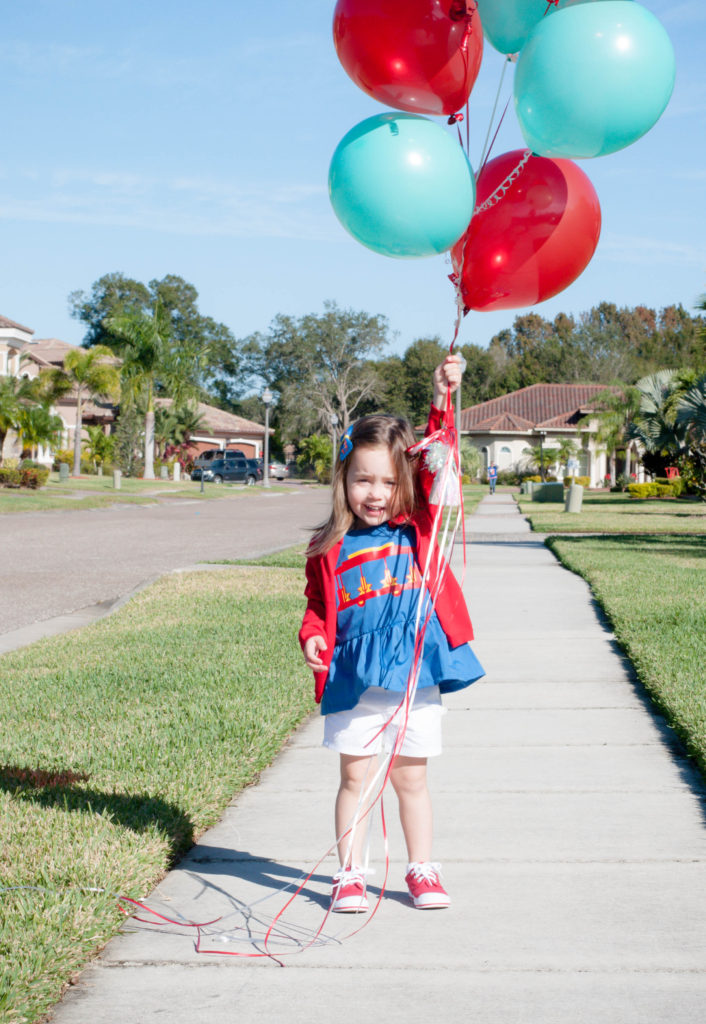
{"points": [[207, 457], [256, 467], [233, 470]]}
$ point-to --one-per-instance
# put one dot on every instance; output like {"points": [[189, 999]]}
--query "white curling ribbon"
{"points": [[439, 460]]}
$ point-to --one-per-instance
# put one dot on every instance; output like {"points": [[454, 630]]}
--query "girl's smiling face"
{"points": [[370, 485]]}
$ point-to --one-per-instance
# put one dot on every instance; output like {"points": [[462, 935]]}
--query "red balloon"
{"points": [[537, 232], [416, 55]]}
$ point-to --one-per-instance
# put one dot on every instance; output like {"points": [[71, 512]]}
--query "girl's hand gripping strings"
{"points": [[447, 377], [312, 648]]}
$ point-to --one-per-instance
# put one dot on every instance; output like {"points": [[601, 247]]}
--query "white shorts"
{"points": [[359, 732]]}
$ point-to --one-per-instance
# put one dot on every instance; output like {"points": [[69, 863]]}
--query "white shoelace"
{"points": [[347, 876], [428, 871]]}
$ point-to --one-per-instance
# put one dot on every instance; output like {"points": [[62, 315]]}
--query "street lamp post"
{"points": [[267, 402], [334, 423]]}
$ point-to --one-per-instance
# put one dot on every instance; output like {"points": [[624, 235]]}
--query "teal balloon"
{"points": [[592, 79], [507, 24], [402, 185]]}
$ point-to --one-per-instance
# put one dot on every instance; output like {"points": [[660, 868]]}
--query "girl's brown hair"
{"points": [[377, 431]]}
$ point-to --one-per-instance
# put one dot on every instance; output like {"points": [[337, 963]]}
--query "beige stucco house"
{"points": [[503, 427], [223, 429], [23, 355]]}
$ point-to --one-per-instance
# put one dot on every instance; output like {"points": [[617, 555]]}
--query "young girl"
{"points": [[364, 571]]}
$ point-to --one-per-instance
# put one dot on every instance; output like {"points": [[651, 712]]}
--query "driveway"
{"points": [[55, 563]]}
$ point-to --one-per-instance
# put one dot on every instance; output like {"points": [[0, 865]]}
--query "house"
{"points": [[221, 429], [23, 355], [502, 428]]}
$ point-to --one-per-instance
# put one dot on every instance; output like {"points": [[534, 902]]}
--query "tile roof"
{"points": [[47, 351], [222, 422], [5, 322], [539, 405]]}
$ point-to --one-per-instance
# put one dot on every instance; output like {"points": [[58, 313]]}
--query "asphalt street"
{"points": [[57, 563]]}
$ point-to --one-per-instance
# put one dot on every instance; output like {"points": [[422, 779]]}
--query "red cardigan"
{"points": [[320, 614]]}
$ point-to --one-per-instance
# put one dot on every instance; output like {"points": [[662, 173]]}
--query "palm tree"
{"points": [[566, 448], [540, 457], [99, 446], [614, 410], [691, 416], [152, 362], [654, 423], [87, 373], [174, 426], [36, 425], [16, 393]]}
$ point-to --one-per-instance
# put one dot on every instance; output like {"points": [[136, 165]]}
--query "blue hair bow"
{"points": [[346, 443]]}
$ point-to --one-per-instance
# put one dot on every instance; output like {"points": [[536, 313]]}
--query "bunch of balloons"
{"points": [[592, 77]]}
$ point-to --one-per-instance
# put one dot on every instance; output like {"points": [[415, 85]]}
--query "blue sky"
{"points": [[154, 138]]}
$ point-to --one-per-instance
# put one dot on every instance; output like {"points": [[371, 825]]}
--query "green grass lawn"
{"points": [[122, 742], [653, 590], [98, 492], [603, 512]]}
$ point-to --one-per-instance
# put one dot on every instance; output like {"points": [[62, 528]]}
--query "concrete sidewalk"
{"points": [[570, 827]]}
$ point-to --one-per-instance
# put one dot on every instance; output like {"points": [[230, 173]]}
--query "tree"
{"points": [[419, 362], [691, 416], [128, 436], [152, 362], [224, 370], [174, 427], [36, 425], [86, 374], [99, 446], [13, 393], [614, 410], [317, 451], [470, 459], [654, 425], [566, 448], [540, 457], [320, 365]]}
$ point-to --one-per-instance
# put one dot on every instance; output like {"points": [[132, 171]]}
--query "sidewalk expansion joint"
{"points": [[221, 961]]}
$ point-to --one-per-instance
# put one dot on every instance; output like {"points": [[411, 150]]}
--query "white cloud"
{"points": [[182, 206], [643, 251]]}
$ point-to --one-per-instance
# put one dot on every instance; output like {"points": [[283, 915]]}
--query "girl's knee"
{"points": [[409, 779], [354, 769]]}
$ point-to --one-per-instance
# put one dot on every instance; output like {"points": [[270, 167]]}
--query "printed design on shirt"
{"points": [[366, 574]]}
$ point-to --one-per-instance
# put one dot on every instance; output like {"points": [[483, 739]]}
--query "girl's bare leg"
{"points": [[409, 779], [355, 775]]}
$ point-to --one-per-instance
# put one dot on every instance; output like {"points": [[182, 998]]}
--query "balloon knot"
{"points": [[455, 118], [462, 10]]}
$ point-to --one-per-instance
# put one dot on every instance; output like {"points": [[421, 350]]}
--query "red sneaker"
{"points": [[425, 886], [349, 896]]}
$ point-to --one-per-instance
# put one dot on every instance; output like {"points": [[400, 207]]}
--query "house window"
{"points": [[505, 458]]}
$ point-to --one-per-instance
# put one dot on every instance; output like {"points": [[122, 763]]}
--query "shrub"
{"points": [[10, 477], [653, 490], [508, 478], [582, 481], [33, 476], [65, 455]]}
